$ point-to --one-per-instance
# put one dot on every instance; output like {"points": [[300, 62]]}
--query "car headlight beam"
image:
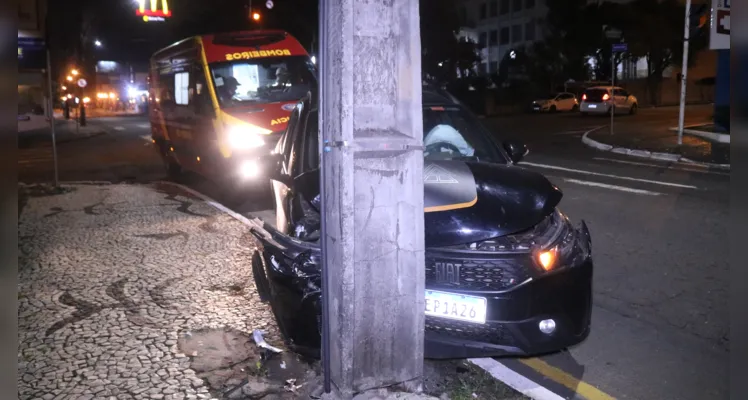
{"points": [[242, 138]]}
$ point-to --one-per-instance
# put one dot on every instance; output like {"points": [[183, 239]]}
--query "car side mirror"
{"points": [[516, 150]]}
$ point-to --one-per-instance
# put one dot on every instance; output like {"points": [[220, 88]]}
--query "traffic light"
{"points": [[699, 20]]}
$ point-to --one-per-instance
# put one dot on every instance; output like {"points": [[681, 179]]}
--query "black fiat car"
{"points": [[517, 269]]}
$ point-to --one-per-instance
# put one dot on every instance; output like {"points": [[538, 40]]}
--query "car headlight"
{"points": [[242, 138], [566, 245]]}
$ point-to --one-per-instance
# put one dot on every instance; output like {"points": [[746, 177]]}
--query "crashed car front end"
{"points": [[536, 285]]}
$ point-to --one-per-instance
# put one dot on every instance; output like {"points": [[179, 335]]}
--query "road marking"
{"points": [[514, 380], [119, 128], [144, 126], [627, 178], [147, 138], [582, 388], [578, 131], [614, 187], [682, 167]]}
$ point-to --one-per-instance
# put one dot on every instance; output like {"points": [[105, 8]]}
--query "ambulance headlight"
{"points": [[242, 138]]}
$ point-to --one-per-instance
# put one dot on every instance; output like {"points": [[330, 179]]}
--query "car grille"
{"points": [[491, 332], [482, 275]]}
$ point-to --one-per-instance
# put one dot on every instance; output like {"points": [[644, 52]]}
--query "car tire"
{"points": [[575, 108], [264, 291], [174, 171], [552, 109], [633, 109]]}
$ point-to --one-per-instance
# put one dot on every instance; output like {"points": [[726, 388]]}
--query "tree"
{"points": [[655, 32]]}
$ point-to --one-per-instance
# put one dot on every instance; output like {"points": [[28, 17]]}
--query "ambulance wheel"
{"points": [[173, 170]]}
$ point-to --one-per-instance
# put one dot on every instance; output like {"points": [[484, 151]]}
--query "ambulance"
{"points": [[219, 102]]}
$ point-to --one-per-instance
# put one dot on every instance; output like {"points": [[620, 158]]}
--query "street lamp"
{"points": [[74, 72], [97, 43], [64, 87], [256, 16], [69, 78]]}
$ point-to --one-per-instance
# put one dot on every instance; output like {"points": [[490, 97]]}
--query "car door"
{"points": [[567, 102], [619, 100], [625, 99], [282, 192]]}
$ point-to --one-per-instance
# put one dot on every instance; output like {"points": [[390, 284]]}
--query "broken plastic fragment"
{"points": [[257, 336], [283, 365], [291, 386]]}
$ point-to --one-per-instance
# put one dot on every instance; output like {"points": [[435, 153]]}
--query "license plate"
{"points": [[456, 306], [593, 105]]}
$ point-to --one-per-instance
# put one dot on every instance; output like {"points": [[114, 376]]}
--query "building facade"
{"points": [[32, 57], [499, 26]]}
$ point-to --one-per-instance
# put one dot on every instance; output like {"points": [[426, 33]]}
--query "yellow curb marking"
{"points": [[582, 388]]}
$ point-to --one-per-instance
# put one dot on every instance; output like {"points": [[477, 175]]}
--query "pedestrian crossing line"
{"points": [[582, 388], [613, 187], [143, 126], [627, 178], [119, 128], [681, 167]]}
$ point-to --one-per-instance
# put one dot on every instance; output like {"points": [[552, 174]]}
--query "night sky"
{"points": [[126, 37]]}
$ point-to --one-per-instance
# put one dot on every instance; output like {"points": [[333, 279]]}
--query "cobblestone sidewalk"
{"points": [[111, 277]]}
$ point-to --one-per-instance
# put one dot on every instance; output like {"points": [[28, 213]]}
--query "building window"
{"points": [[482, 40], [182, 88], [516, 33], [529, 4], [493, 8], [492, 38], [530, 31], [504, 9], [517, 6], [483, 11], [504, 36]]}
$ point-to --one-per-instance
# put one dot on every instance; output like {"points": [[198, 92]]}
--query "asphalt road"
{"points": [[660, 320]]}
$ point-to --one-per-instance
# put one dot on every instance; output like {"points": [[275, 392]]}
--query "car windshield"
{"points": [[262, 80], [450, 133], [552, 96]]}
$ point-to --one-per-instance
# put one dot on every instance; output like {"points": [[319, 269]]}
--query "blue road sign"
{"points": [[620, 47]]}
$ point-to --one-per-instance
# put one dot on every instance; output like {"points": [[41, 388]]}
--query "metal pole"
{"points": [[684, 72], [52, 116], [612, 84], [321, 54]]}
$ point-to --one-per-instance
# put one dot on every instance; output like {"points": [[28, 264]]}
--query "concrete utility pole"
{"points": [[372, 194], [684, 72]]}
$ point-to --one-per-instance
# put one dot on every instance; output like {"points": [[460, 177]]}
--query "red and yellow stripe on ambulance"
{"points": [[246, 55]]}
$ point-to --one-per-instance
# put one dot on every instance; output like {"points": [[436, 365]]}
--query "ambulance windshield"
{"points": [[262, 80]]}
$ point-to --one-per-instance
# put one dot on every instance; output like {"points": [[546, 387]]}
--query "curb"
{"points": [[646, 153], [716, 137], [80, 137]]}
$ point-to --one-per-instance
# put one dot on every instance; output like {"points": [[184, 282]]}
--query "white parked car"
{"points": [[603, 99], [556, 102]]}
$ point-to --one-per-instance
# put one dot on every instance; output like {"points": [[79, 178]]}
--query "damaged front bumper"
{"points": [[517, 321]]}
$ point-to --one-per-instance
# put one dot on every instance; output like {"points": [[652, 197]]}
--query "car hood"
{"points": [[472, 201], [466, 202]]}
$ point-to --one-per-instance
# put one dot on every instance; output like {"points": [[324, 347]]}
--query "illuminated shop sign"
{"points": [[152, 12]]}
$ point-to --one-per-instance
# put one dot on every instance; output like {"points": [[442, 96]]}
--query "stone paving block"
{"points": [[110, 277]]}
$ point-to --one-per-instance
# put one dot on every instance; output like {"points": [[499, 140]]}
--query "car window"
{"points": [[448, 134], [623, 93], [451, 133]]}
